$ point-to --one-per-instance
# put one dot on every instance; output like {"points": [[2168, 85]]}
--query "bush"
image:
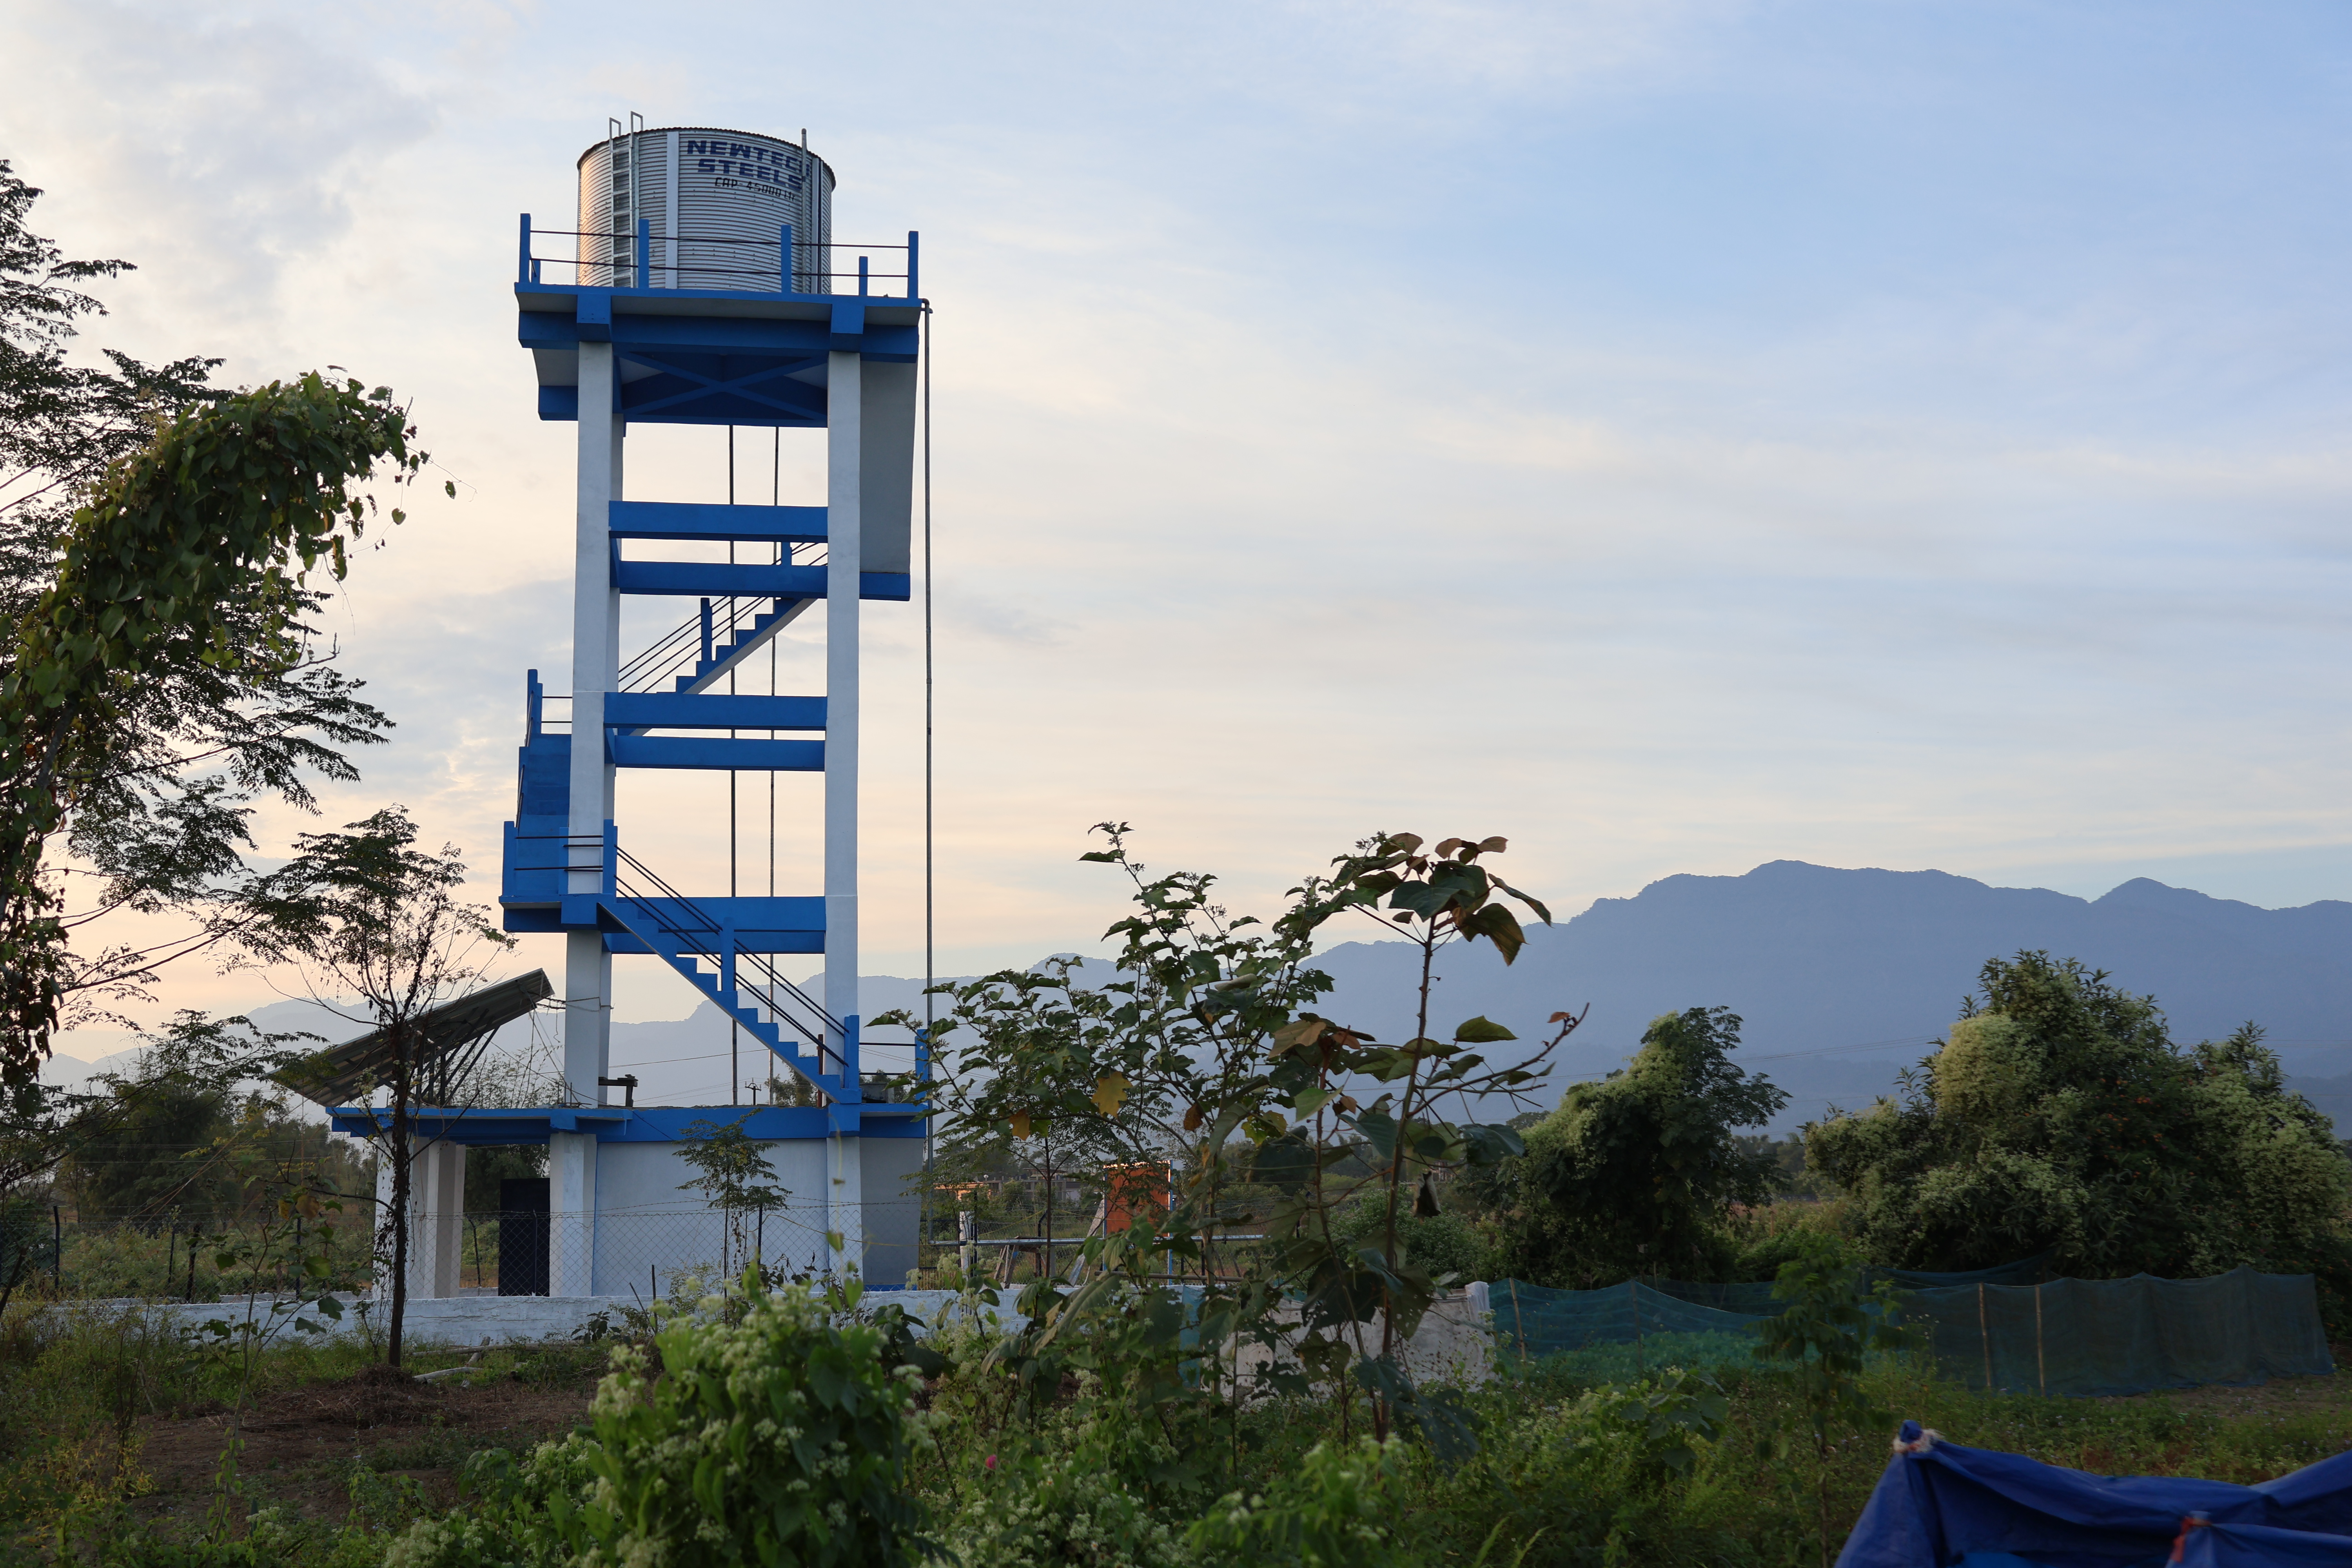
{"points": [[1032, 1508], [1788, 1233], [1334, 1511], [782, 1436], [1442, 1243]]}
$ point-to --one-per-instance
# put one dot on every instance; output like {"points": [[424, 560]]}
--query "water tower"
{"points": [[701, 285]]}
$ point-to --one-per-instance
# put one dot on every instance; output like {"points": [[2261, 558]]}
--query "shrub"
{"points": [[1333, 1512], [782, 1436], [1040, 1508], [1439, 1244]]}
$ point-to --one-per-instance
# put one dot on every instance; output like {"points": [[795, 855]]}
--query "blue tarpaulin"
{"points": [[1940, 1504]]}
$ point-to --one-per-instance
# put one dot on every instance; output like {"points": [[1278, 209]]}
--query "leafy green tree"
{"points": [[732, 1172], [157, 671], [1637, 1173], [61, 423], [375, 923], [1203, 1053], [1822, 1339], [2059, 1116], [136, 1143]]}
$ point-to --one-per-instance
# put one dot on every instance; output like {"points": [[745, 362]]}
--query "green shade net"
{"points": [[2125, 1336], [1754, 1296], [2075, 1337]]}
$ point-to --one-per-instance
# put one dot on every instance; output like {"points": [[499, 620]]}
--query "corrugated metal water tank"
{"points": [[715, 200]]}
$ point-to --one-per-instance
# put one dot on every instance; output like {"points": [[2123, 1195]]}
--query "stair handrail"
{"points": [[757, 962], [644, 674], [681, 646]]}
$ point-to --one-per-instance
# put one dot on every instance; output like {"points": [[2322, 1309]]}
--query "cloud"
{"points": [[228, 152]]}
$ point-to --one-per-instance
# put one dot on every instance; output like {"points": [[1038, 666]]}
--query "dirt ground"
{"points": [[300, 1443]]}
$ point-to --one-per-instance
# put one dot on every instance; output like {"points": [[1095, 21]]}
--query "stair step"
{"points": [[751, 1015]]}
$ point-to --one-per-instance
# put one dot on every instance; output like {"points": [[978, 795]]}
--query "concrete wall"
{"points": [[648, 1222], [502, 1320], [1455, 1344]]}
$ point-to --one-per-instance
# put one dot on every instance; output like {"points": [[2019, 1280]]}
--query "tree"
{"points": [[2058, 1115], [157, 670], [1636, 1174], [734, 1174], [61, 424], [122, 1139], [1044, 1084], [1825, 1338], [1201, 1053], [376, 924]]}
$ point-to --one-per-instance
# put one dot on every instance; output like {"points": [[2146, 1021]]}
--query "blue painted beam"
{"points": [[547, 919], [681, 334], [653, 338], [719, 579], [678, 711], [644, 1124], [695, 752], [685, 520]]}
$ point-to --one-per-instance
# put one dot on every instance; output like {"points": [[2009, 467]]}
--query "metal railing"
{"points": [[697, 640], [621, 259], [785, 1003]]}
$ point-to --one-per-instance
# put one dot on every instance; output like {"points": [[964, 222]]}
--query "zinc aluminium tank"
{"points": [[714, 199]]}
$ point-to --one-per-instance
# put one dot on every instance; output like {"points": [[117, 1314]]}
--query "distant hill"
{"points": [[1844, 977]]}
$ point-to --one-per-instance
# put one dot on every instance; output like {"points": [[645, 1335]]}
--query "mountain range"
{"points": [[1842, 978]]}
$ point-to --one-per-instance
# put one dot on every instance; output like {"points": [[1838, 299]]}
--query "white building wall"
{"points": [[650, 1225]]}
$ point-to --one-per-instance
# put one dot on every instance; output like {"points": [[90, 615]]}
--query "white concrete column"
{"points": [[437, 1185], [845, 1197], [587, 969], [384, 1221], [572, 1208], [844, 400], [436, 1223]]}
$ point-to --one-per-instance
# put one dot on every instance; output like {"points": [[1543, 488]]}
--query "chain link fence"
{"points": [[48, 1253]]}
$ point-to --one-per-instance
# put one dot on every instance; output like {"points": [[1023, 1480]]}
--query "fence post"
{"points": [[1632, 1294], [644, 253], [914, 268], [2041, 1364], [58, 1250], [523, 263], [1985, 1331], [784, 239], [1518, 1322]]}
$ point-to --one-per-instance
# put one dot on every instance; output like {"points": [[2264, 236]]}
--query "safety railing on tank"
{"points": [[785, 266]]}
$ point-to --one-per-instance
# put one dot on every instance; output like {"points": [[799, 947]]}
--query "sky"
{"points": [[1674, 436]]}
